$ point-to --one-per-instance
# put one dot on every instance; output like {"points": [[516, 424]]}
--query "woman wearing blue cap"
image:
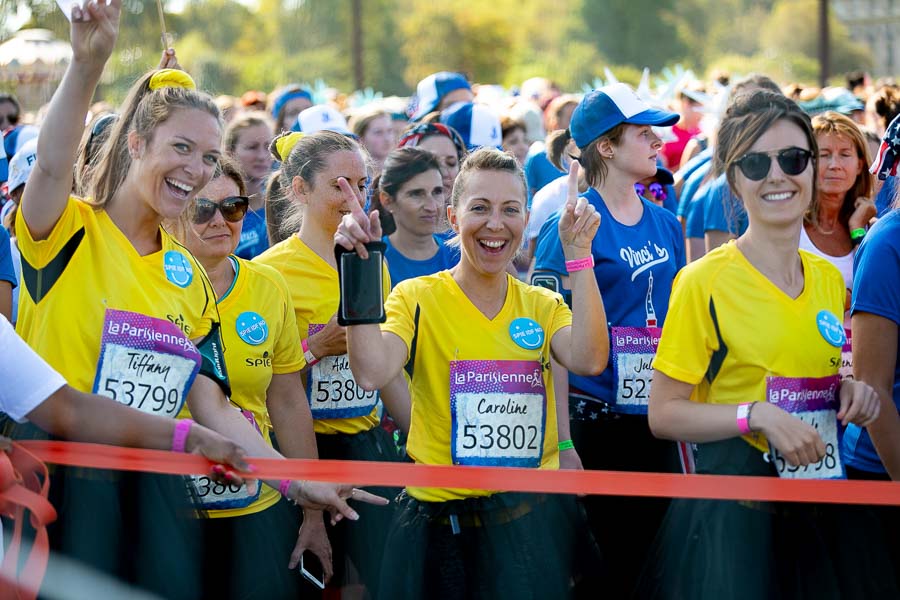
{"points": [[637, 251]]}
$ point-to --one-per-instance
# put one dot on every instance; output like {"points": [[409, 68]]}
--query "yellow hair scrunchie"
{"points": [[286, 143], [171, 78]]}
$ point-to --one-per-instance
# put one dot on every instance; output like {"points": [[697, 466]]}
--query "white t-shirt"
{"points": [[844, 264], [546, 202], [27, 379]]}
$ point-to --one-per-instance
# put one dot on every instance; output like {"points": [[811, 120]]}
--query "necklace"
{"points": [[823, 232]]}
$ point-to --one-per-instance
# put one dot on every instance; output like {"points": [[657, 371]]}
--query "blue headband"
{"points": [[287, 97]]}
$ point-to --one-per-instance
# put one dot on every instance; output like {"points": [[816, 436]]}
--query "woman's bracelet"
{"points": [[743, 417], [566, 445], [307, 353], [857, 235], [580, 264], [180, 435]]}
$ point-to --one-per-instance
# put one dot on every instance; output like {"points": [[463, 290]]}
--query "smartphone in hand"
{"points": [[311, 569]]}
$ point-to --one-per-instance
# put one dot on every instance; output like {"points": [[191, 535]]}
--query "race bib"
{"points": [[846, 370], [633, 351], [814, 401], [145, 363], [498, 412], [333, 392], [214, 495]]}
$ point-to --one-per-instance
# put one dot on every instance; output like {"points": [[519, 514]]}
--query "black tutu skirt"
{"points": [[508, 545], [715, 549]]}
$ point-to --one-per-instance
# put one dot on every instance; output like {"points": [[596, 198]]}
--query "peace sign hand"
{"points": [[356, 228], [95, 28], [579, 220]]}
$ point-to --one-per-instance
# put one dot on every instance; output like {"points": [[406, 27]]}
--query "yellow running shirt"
{"points": [[481, 389], [315, 291], [729, 329], [86, 287], [260, 333]]}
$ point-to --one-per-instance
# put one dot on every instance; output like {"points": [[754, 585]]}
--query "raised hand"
{"points": [[356, 228], [168, 60], [579, 221], [95, 29]]}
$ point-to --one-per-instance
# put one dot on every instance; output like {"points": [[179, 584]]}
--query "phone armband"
{"points": [[213, 352], [362, 285]]}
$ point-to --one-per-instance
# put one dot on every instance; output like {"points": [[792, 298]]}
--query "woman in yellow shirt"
{"points": [[477, 345], [249, 536], [344, 414], [747, 373], [113, 303]]}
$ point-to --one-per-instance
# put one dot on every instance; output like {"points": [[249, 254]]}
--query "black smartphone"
{"points": [[311, 569], [362, 285]]}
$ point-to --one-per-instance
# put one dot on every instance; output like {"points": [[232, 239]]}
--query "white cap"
{"points": [[21, 165], [322, 117]]}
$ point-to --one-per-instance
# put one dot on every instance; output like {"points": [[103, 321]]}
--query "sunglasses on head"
{"points": [[756, 165], [233, 209], [656, 189]]}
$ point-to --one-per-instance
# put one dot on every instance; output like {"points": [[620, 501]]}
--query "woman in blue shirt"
{"points": [[637, 251], [410, 197]]}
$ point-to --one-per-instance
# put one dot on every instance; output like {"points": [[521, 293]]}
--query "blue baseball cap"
{"points": [[477, 124], [434, 87], [606, 107]]}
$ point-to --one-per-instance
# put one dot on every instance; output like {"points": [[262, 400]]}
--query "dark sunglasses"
{"points": [[233, 209], [656, 190], [755, 165]]}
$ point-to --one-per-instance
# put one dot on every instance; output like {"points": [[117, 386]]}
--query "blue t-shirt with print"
{"points": [[402, 268], [634, 266], [876, 290], [254, 237], [722, 210]]}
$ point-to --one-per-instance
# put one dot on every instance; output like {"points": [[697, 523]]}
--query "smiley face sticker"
{"points": [[526, 333], [178, 268], [252, 328], [831, 328]]}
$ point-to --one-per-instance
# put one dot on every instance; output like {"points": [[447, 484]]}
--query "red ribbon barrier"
{"points": [[616, 483]]}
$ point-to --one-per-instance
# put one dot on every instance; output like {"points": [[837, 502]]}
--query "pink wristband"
{"points": [[179, 437], [307, 353], [579, 265], [743, 418], [284, 487]]}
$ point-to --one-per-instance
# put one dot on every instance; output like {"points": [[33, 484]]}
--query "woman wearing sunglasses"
{"points": [[250, 534], [747, 373], [121, 309], [637, 251]]}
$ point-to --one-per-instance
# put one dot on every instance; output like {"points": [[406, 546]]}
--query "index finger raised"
{"points": [[351, 199], [572, 191]]}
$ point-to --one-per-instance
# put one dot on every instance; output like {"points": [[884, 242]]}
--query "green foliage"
{"points": [[233, 46]]}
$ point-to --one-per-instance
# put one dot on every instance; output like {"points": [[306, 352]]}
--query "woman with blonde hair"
{"points": [[842, 206]]}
